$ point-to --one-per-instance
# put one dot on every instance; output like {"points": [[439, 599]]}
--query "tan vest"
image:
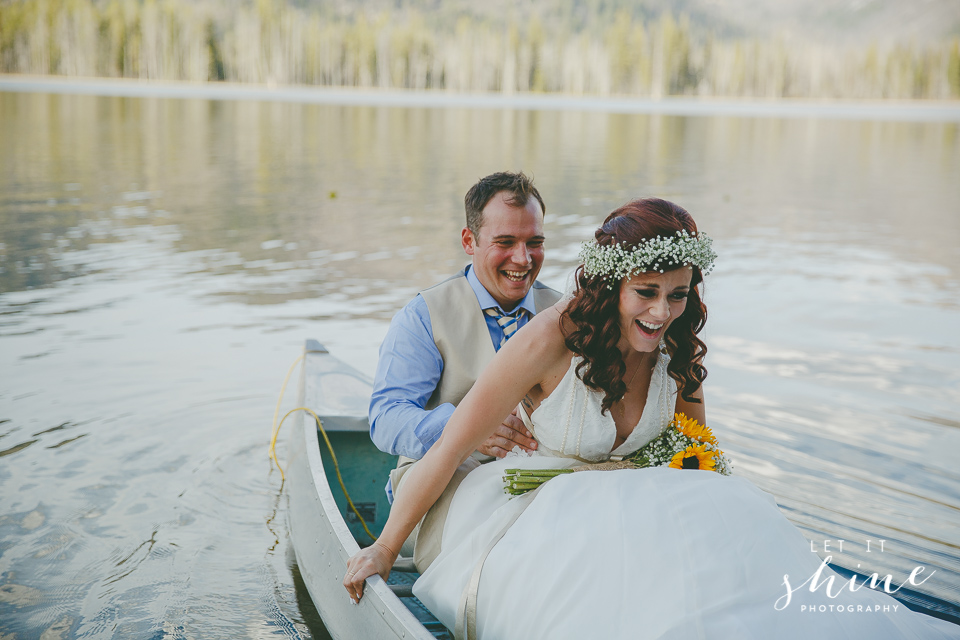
{"points": [[461, 335]]}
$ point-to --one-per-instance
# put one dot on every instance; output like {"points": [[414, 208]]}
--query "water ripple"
{"points": [[162, 263]]}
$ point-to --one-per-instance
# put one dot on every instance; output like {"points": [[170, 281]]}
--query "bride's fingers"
{"points": [[348, 584], [353, 583], [375, 559], [357, 573]]}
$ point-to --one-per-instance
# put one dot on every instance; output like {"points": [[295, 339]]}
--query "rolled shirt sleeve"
{"points": [[407, 374]]}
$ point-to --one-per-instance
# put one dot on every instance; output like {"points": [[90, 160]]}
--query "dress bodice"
{"points": [[568, 541], [569, 423]]}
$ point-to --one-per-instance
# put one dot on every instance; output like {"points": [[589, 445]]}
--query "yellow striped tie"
{"points": [[509, 322]]}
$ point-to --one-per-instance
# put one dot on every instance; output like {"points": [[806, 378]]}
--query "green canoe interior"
{"points": [[364, 470]]}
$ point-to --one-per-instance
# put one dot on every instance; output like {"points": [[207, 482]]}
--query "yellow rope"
{"points": [[275, 430], [323, 432]]}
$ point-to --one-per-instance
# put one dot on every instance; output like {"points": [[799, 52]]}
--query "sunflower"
{"points": [[694, 457], [693, 429]]}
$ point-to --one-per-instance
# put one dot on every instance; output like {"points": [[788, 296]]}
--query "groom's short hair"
{"points": [[519, 185]]}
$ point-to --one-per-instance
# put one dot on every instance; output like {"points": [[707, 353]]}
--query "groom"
{"points": [[438, 344]]}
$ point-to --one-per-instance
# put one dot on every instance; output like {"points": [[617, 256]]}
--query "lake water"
{"points": [[162, 261]]}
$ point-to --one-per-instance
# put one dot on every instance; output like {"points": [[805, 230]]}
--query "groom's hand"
{"points": [[507, 436]]}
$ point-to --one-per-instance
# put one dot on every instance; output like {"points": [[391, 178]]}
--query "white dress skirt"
{"points": [[638, 554]]}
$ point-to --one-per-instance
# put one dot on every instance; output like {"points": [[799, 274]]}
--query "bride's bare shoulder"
{"points": [[530, 357], [552, 322], [546, 326], [546, 349], [542, 342]]}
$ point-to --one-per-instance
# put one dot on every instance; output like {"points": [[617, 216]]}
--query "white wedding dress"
{"points": [[649, 553]]}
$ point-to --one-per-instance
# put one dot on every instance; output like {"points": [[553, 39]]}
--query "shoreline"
{"points": [[893, 110]]}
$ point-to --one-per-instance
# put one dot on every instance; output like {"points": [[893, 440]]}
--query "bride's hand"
{"points": [[377, 558]]}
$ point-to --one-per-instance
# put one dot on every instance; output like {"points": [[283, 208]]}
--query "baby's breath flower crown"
{"points": [[615, 262]]}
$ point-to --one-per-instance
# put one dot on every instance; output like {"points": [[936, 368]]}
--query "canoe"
{"points": [[325, 532]]}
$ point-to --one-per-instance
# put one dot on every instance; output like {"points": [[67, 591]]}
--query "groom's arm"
{"points": [[407, 374]]}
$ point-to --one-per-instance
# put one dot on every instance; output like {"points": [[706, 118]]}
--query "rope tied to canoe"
{"points": [[323, 432]]}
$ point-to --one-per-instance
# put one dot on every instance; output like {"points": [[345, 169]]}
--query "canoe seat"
{"points": [[404, 565], [402, 590]]}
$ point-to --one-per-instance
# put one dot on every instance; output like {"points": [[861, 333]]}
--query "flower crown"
{"points": [[650, 254]]}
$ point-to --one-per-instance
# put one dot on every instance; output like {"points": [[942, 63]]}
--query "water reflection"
{"points": [[346, 191], [161, 262]]}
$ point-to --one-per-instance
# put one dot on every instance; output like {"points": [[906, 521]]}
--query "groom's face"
{"points": [[508, 250]]}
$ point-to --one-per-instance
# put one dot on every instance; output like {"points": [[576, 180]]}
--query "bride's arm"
{"points": [[521, 364], [697, 411]]}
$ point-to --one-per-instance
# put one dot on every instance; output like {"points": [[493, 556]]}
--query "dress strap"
{"points": [[528, 423], [466, 626]]}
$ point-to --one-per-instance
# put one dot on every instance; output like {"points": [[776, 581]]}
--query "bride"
{"points": [[641, 553]]}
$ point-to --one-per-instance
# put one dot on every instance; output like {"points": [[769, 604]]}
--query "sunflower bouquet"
{"points": [[684, 444]]}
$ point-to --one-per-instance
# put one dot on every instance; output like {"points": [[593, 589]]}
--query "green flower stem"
{"points": [[537, 472], [520, 481], [540, 479], [524, 486], [657, 453]]}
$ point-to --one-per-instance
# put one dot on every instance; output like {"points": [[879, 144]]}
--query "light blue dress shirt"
{"points": [[408, 373]]}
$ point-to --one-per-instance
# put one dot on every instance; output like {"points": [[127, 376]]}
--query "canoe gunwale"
{"points": [[323, 542]]}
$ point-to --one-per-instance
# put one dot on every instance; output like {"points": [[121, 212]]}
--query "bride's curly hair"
{"points": [[594, 312]]}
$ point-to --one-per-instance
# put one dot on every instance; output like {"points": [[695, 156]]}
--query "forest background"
{"points": [[863, 49]]}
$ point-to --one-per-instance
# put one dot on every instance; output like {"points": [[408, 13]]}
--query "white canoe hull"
{"points": [[321, 538]]}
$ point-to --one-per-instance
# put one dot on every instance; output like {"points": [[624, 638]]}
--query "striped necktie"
{"points": [[509, 322]]}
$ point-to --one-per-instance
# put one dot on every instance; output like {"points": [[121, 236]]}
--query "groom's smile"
{"points": [[508, 249], [516, 276]]}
